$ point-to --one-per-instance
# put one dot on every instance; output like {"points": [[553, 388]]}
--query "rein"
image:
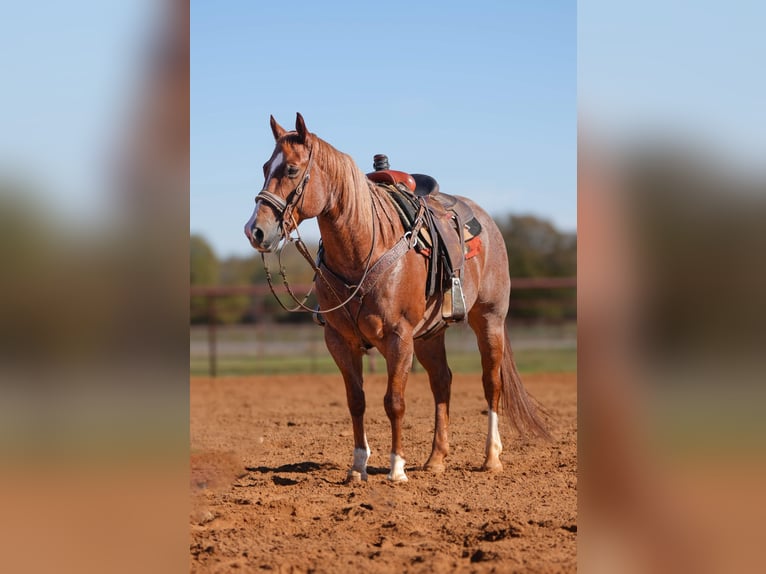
{"points": [[303, 250]]}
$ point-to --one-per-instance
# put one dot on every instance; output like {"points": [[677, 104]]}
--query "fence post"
{"points": [[211, 341]]}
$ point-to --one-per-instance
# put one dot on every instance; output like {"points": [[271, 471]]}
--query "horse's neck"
{"points": [[349, 228]]}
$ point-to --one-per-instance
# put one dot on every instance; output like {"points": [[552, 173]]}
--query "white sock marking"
{"points": [[397, 469], [494, 445], [361, 456]]}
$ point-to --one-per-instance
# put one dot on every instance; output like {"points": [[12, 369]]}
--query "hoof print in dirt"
{"points": [[201, 548], [283, 481], [483, 556], [494, 532]]}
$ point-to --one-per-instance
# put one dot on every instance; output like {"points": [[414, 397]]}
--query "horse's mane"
{"points": [[358, 195]]}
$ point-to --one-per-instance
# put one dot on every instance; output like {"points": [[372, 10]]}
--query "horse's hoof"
{"points": [[356, 476], [397, 469], [436, 468], [397, 477], [492, 466]]}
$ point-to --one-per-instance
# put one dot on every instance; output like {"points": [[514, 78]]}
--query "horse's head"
{"points": [[284, 201]]}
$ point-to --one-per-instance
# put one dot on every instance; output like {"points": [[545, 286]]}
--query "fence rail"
{"points": [[212, 292]]}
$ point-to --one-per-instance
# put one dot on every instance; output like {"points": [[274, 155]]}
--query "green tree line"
{"points": [[536, 248]]}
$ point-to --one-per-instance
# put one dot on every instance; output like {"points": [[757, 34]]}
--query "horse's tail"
{"points": [[522, 409]]}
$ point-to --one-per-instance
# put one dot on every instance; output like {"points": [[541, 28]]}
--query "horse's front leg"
{"points": [[348, 357], [398, 353]]}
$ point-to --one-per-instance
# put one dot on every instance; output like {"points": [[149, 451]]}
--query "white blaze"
{"points": [[278, 160]]}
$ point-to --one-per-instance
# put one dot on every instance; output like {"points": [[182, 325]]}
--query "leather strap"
{"points": [[383, 264], [377, 270]]}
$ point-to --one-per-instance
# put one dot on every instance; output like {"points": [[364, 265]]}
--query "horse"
{"points": [[305, 178]]}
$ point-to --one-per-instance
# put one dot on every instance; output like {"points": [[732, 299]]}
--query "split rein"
{"points": [[301, 303]]}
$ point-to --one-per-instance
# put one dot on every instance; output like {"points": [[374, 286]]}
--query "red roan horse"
{"points": [[306, 177]]}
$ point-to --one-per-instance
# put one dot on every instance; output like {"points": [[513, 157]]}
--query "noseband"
{"points": [[284, 209]]}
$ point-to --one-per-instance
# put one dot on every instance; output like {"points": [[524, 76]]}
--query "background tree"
{"points": [[242, 271], [203, 270], [250, 271], [537, 249]]}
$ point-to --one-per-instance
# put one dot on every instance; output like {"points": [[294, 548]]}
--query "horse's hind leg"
{"points": [[349, 361], [432, 355], [490, 335]]}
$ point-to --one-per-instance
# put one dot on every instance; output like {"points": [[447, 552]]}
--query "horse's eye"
{"points": [[292, 171]]}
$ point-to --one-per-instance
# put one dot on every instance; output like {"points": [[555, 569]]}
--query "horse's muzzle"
{"points": [[261, 240]]}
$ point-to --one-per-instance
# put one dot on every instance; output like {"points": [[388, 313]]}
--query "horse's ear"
{"points": [[300, 127], [276, 129]]}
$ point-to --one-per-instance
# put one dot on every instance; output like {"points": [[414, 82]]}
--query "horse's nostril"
{"points": [[258, 235]]}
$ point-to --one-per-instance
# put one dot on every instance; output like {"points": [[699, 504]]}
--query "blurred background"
{"points": [[671, 236], [96, 187], [94, 180]]}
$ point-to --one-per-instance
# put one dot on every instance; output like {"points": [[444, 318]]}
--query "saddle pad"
{"points": [[473, 228], [471, 236], [472, 247]]}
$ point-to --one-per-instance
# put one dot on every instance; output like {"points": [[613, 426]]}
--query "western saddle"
{"points": [[448, 225]]}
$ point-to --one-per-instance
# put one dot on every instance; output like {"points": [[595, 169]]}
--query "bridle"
{"points": [[284, 210]]}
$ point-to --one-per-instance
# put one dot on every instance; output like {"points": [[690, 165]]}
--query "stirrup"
{"points": [[318, 317], [453, 307]]}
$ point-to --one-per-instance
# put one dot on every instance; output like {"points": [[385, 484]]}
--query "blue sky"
{"points": [[686, 70], [480, 95], [71, 72]]}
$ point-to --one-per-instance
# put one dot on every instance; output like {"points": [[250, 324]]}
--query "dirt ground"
{"points": [[268, 468]]}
